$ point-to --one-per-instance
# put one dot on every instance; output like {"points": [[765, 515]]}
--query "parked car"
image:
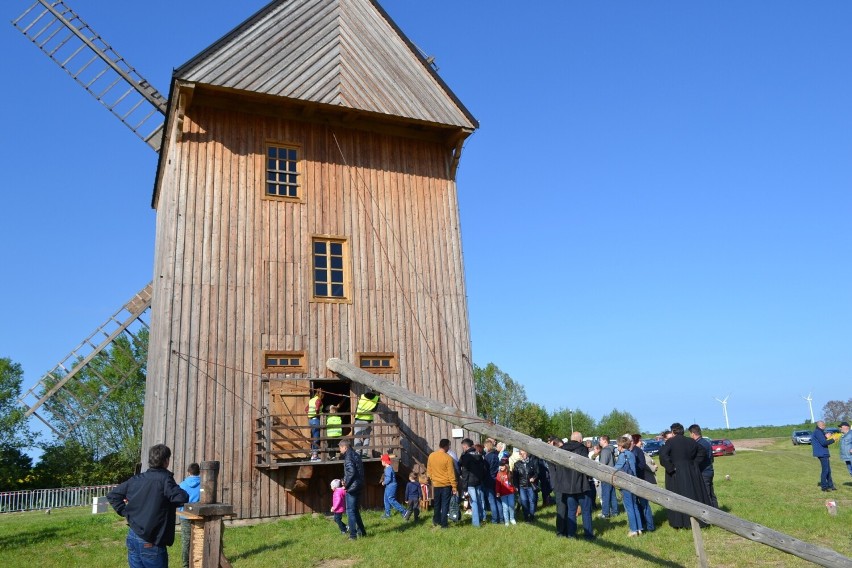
{"points": [[722, 448], [652, 447], [801, 437]]}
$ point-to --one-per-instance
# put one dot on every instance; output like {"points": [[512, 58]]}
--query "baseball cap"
{"points": [[844, 423]]}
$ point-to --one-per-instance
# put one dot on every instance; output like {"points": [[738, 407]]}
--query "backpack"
{"points": [[453, 513]]}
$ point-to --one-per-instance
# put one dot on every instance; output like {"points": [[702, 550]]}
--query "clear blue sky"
{"points": [[655, 211]]}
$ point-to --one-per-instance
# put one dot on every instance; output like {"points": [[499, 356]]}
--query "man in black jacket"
{"points": [[148, 501], [492, 465], [353, 483], [573, 489], [473, 474], [525, 479]]}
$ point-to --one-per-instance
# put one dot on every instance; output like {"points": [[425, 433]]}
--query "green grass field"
{"points": [[775, 487]]}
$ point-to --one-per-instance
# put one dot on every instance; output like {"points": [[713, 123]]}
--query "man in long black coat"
{"points": [[681, 456], [572, 488]]}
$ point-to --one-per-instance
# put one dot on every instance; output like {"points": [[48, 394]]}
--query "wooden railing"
{"points": [[282, 440]]}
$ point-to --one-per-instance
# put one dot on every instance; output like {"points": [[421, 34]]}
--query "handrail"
{"points": [[384, 438]]}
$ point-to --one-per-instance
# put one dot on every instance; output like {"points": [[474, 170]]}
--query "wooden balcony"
{"points": [[285, 440]]}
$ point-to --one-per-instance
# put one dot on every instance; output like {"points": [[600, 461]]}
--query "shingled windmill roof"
{"points": [[347, 53]]}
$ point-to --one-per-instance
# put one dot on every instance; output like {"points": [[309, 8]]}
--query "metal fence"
{"points": [[37, 499]]}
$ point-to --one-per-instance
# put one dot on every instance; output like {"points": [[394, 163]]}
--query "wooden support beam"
{"points": [[698, 539], [746, 529]]}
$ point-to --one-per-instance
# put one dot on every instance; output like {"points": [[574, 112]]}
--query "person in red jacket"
{"points": [[505, 492]]}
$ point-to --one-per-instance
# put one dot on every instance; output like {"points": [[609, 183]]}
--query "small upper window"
{"points": [[378, 362], [284, 361], [282, 172], [329, 268]]}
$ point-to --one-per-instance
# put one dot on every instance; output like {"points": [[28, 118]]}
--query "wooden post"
{"points": [[209, 481], [752, 531], [698, 539], [210, 515]]}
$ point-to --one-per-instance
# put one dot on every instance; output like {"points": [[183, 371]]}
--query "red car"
{"points": [[722, 447]]}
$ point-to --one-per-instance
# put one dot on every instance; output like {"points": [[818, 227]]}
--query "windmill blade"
{"points": [[73, 45], [52, 391]]}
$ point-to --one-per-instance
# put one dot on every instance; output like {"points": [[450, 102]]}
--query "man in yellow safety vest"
{"points": [[364, 421], [314, 410]]}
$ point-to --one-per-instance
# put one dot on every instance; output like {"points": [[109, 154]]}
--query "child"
{"points": [[505, 492], [338, 504], [412, 497], [389, 481], [333, 430]]}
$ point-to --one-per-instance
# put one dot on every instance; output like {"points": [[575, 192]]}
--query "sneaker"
{"points": [[633, 533], [406, 515], [386, 516], [513, 522], [315, 458], [507, 523]]}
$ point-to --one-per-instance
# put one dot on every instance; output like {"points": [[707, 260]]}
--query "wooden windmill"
{"points": [[306, 210]]}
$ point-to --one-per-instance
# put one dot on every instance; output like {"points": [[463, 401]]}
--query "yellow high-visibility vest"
{"points": [[333, 427], [312, 406], [366, 407]]}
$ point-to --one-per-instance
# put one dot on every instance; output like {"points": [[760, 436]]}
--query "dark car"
{"points": [[801, 437], [652, 447], [722, 447]]}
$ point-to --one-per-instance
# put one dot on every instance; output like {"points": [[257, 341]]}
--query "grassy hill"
{"points": [[750, 432]]}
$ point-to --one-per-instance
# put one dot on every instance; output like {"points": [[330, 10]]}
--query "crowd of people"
{"points": [[486, 476], [493, 485]]}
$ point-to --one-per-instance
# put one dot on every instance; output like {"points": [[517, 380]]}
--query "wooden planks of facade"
{"points": [[233, 277]]}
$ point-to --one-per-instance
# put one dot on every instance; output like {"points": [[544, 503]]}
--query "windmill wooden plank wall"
{"points": [[233, 268]]}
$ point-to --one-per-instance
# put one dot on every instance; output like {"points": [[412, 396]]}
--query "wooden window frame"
{"points": [[347, 272], [394, 362], [299, 197], [301, 368]]}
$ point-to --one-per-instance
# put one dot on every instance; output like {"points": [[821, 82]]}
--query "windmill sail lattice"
{"points": [[53, 391], [73, 45]]}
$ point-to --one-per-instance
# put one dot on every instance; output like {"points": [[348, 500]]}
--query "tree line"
{"points": [[105, 444], [503, 400]]}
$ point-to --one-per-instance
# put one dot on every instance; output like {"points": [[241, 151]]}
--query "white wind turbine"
{"points": [[725, 408], [810, 399]]}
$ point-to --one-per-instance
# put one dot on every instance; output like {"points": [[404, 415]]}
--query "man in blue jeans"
{"points": [[353, 482], [609, 500], [525, 479], [314, 410], [819, 446], [473, 473], [148, 501], [846, 446], [492, 465]]}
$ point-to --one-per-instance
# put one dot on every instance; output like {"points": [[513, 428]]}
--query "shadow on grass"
{"points": [[635, 552], [546, 520], [277, 545], [33, 537]]}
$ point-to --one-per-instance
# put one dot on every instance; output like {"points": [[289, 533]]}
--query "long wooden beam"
{"points": [[640, 487]]}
